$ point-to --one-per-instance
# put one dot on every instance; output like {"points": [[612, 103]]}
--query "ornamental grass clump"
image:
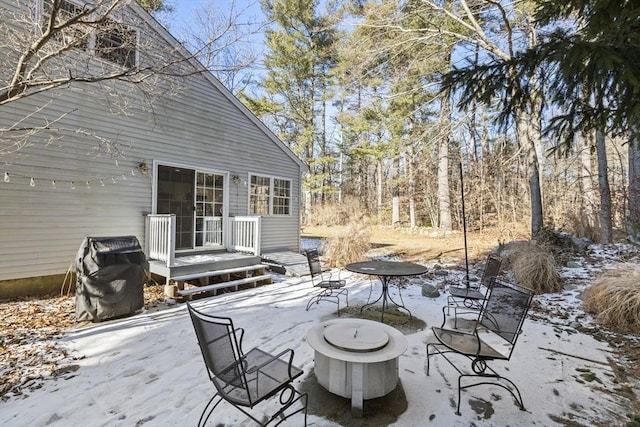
{"points": [[349, 246], [534, 267], [614, 298]]}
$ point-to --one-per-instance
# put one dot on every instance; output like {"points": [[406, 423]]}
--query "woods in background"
{"points": [[384, 99]]}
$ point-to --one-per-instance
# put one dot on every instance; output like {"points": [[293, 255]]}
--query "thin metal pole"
{"points": [[464, 229]]}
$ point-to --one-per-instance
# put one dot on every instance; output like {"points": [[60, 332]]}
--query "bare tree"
{"points": [[225, 41], [110, 47]]}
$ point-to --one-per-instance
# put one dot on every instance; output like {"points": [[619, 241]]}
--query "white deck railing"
{"points": [[160, 238], [161, 231], [245, 234]]}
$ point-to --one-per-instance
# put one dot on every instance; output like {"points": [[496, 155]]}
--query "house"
{"points": [[175, 160]]}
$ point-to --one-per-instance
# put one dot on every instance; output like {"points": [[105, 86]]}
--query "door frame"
{"points": [[225, 199]]}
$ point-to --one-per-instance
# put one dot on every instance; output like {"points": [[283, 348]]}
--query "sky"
{"points": [[185, 10], [147, 370]]}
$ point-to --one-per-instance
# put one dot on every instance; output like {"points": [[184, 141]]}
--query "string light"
{"points": [[32, 181]]}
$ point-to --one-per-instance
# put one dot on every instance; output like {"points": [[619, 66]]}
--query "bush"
{"points": [[614, 298], [349, 246], [330, 214], [534, 267]]}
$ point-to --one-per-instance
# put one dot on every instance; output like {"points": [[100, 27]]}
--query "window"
{"points": [[76, 35], [116, 43], [281, 196], [259, 196], [111, 40], [269, 196]]}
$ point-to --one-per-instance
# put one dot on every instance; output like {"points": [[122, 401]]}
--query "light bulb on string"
{"points": [[6, 177], [32, 182]]}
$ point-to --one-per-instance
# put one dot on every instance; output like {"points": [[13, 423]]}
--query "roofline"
{"points": [[188, 56]]}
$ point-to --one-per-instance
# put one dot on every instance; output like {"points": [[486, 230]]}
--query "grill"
{"points": [[110, 276]]}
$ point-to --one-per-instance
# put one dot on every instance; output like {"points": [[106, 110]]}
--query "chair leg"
{"points": [[208, 410], [491, 378], [495, 378], [328, 295], [288, 403]]}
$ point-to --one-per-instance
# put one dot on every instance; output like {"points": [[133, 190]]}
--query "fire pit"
{"points": [[356, 358]]}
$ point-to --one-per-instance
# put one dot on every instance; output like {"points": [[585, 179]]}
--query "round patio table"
{"points": [[385, 270]]}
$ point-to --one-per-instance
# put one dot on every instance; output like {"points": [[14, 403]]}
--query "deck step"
{"points": [[213, 273], [222, 285]]}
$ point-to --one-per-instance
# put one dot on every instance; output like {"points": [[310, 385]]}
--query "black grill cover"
{"points": [[110, 276]]}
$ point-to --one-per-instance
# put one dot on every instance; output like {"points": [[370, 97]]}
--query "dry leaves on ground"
{"points": [[29, 348]]}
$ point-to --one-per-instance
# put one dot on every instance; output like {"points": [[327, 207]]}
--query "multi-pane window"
{"points": [[269, 196], [281, 197], [209, 208], [116, 43], [259, 195], [111, 40], [76, 35]]}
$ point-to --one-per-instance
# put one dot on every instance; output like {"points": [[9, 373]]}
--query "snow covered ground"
{"points": [[148, 370]]}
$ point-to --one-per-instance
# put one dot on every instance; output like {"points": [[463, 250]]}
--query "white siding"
{"points": [[41, 228]]}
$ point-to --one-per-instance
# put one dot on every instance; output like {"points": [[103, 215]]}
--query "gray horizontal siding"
{"points": [[41, 228]]}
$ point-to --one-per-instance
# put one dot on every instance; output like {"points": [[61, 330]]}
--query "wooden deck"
{"points": [[199, 272]]}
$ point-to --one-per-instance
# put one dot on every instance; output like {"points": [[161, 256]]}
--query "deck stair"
{"points": [[287, 262], [229, 278]]}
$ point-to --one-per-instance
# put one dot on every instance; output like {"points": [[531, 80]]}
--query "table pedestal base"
{"points": [[355, 380]]}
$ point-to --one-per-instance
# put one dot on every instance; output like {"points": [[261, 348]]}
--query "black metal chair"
{"points": [[470, 297], [330, 288], [493, 337], [245, 379]]}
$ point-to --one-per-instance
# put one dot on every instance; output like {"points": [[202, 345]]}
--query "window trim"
{"points": [[271, 196], [130, 58]]}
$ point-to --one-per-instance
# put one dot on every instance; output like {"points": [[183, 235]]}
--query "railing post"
{"points": [[160, 238], [171, 240], [257, 236]]}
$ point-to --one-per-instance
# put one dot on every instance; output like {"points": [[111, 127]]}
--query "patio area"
{"points": [[148, 370]]}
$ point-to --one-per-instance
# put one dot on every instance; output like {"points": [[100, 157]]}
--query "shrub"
{"points": [[349, 246], [614, 298], [331, 213], [534, 266]]}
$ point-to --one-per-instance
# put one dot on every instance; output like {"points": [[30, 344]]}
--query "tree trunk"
{"points": [[395, 192], [526, 137], [307, 207], [587, 203], [411, 187], [444, 197], [379, 191], [606, 228], [633, 216]]}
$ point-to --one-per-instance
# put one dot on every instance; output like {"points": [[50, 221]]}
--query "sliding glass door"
{"points": [[196, 198]]}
